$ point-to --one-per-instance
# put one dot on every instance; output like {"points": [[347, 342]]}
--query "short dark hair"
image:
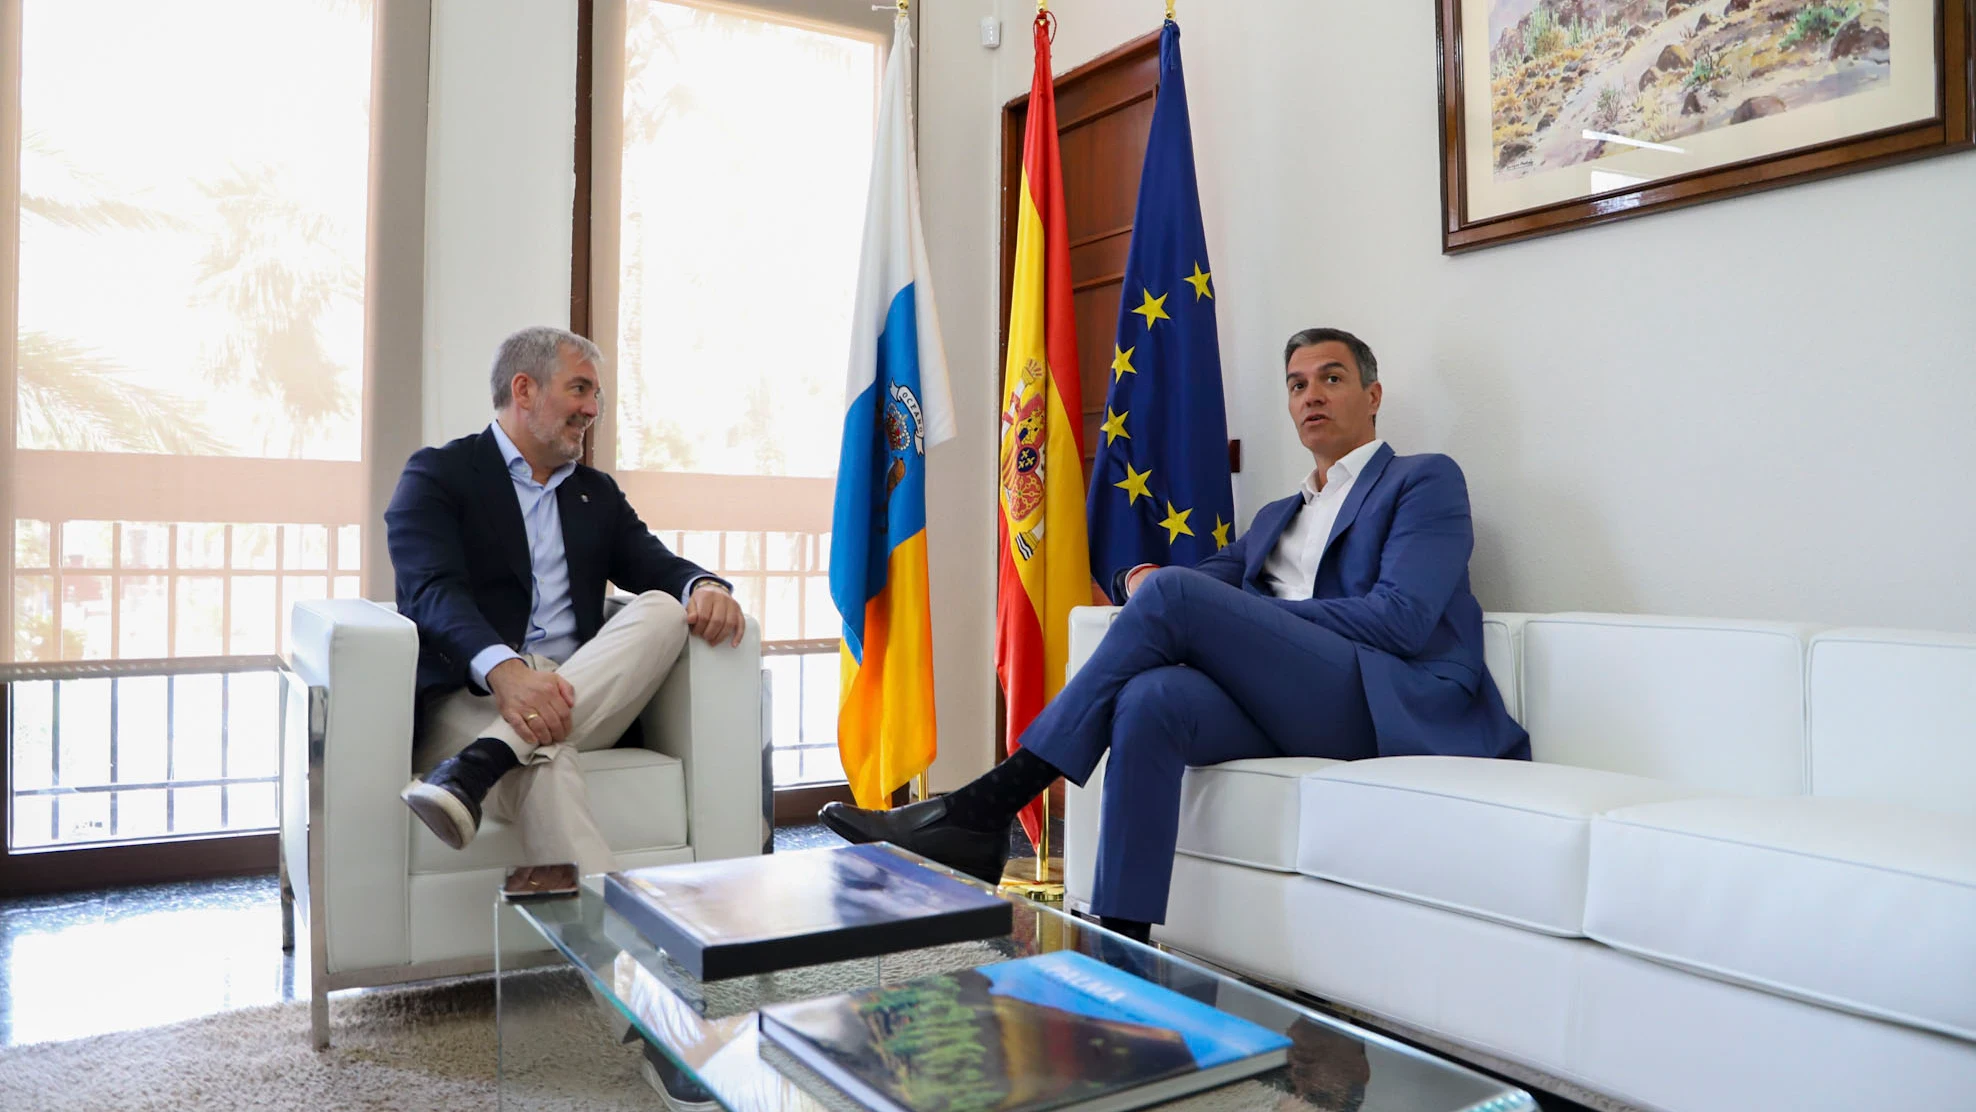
{"points": [[1368, 364]]}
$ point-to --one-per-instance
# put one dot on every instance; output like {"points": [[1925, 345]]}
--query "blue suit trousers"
{"points": [[1193, 672]]}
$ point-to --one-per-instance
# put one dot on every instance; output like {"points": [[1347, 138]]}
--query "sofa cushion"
{"points": [[1893, 717], [1501, 633], [1245, 811], [1504, 840], [1712, 704], [637, 796], [1861, 906]]}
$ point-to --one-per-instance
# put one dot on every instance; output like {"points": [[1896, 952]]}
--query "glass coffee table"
{"points": [[576, 1034]]}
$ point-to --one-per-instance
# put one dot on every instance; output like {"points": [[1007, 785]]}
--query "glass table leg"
{"points": [[500, 1017], [558, 1042]]}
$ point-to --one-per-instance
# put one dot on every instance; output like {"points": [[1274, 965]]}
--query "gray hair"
{"points": [[533, 352], [1368, 365]]}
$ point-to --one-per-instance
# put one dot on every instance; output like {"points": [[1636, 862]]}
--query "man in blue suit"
{"points": [[502, 543], [1341, 625]]}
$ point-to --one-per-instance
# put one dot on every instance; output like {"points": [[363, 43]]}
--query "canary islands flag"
{"points": [[897, 406], [1160, 490]]}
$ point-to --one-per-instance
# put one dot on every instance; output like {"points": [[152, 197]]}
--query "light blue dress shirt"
{"points": [[551, 614]]}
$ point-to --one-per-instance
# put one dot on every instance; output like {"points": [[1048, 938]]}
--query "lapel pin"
{"points": [[585, 497]]}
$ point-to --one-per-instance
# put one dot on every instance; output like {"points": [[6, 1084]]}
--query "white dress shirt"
{"points": [[1291, 569]]}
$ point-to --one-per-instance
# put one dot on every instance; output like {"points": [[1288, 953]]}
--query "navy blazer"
{"points": [[460, 555], [1394, 581]]}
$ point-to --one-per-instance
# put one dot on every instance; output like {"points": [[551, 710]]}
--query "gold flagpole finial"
{"points": [[1169, 10], [904, 5]]}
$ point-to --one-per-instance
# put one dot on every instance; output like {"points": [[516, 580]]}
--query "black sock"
{"points": [[990, 801], [481, 763], [1130, 928]]}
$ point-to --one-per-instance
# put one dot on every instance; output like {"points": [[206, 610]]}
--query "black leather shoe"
{"points": [[923, 828], [447, 799]]}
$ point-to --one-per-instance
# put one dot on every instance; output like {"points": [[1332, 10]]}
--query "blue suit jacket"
{"points": [[1394, 581], [460, 555]]}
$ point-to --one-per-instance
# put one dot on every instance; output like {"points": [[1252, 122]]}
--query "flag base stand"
{"points": [[1021, 877], [1038, 877]]}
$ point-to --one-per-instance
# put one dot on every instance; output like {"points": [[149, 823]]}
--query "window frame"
{"points": [[394, 248], [749, 503]]}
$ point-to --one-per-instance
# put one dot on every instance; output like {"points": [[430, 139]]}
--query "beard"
{"points": [[565, 438]]}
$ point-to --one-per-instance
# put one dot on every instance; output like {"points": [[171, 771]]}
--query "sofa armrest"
{"points": [[365, 658], [708, 713], [1080, 805]]}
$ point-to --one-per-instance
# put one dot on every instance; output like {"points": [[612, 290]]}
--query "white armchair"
{"points": [[1088, 625], [385, 901]]}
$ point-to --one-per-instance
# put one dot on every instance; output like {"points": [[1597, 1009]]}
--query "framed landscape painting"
{"points": [[1560, 113]]}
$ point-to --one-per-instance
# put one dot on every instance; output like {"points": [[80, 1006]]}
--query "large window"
{"points": [[743, 146], [187, 388]]}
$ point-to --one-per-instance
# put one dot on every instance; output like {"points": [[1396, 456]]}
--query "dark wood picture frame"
{"points": [[1950, 130]]}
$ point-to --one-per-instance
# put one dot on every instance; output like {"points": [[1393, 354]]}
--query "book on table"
{"points": [[721, 919], [1051, 1031]]}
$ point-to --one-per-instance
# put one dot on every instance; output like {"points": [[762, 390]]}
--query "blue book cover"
{"points": [[747, 915], [1052, 1031]]}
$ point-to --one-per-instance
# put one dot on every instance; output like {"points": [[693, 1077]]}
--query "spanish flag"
{"points": [[897, 406], [1045, 565]]}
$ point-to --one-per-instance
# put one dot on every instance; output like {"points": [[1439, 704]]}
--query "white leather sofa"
{"points": [[1739, 874], [385, 900]]}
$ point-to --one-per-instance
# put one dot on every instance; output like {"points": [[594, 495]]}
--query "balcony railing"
{"points": [[117, 751], [98, 590], [143, 694], [783, 580]]}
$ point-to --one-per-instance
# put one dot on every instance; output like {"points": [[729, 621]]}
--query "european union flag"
{"points": [[1160, 492]]}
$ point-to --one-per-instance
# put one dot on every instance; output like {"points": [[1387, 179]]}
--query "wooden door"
{"points": [[1104, 115]]}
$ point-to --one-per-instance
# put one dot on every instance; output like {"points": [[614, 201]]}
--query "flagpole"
{"points": [[919, 782], [1036, 575], [1043, 843], [886, 720]]}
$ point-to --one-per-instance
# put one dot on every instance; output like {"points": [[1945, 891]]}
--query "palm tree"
{"points": [[73, 400], [275, 266], [650, 441], [69, 397]]}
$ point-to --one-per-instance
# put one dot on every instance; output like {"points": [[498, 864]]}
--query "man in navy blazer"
{"points": [[502, 543], [1340, 625]]}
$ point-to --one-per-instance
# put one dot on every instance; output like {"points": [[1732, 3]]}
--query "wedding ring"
{"points": [[529, 715]]}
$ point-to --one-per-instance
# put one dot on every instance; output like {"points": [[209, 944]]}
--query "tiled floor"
{"points": [[86, 963]]}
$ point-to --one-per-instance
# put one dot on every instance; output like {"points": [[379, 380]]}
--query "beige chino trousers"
{"points": [[615, 675]]}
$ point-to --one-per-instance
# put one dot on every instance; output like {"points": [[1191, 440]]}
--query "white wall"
{"points": [[500, 182], [1755, 408], [959, 181]]}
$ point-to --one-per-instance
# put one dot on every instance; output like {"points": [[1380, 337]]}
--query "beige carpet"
{"points": [[428, 1047]]}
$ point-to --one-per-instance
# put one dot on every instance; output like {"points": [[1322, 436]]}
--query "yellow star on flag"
{"points": [[1122, 363], [1220, 533], [1114, 425], [1175, 523], [1135, 484], [1154, 309], [1200, 282]]}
